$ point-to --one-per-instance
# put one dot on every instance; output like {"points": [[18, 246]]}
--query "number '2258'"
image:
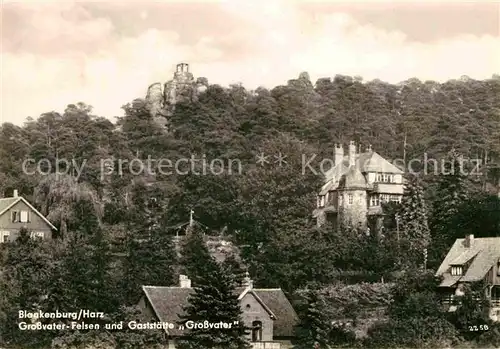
{"points": [[478, 328]]}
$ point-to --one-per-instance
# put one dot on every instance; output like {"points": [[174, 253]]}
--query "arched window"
{"points": [[256, 331]]}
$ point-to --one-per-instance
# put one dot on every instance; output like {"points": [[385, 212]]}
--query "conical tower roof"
{"points": [[353, 179]]}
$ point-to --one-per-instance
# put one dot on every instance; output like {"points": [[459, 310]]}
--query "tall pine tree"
{"points": [[195, 256], [415, 228], [314, 328], [234, 268], [215, 301], [150, 254], [451, 193]]}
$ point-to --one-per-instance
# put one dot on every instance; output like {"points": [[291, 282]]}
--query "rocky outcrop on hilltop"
{"points": [[161, 100]]}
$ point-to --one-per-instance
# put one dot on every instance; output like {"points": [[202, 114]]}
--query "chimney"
{"points": [[247, 282], [352, 153], [184, 281], [469, 240], [16, 193], [339, 153]]}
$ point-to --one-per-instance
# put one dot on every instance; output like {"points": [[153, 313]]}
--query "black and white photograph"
{"points": [[259, 174]]}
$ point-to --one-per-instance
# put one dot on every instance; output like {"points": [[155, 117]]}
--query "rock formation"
{"points": [[154, 99], [183, 87]]}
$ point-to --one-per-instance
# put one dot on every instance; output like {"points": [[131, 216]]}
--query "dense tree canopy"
{"points": [[118, 193]]}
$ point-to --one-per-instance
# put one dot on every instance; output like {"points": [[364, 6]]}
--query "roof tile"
{"points": [[168, 304]]}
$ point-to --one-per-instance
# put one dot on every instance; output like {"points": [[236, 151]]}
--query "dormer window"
{"points": [[456, 270], [384, 178]]}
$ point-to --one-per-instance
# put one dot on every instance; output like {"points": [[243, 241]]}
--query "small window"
{"points": [[248, 306], [350, 199], [379, 177], [4, 236], [24, 217], [15, 216], [395, 198], [456, 270], [321, 201]]}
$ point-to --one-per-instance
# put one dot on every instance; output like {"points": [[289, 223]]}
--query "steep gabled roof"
{"points": [[373, 162], [7, 203], [286, 317], [168, 303], [365, 162], [258, 299], [481, 255]]}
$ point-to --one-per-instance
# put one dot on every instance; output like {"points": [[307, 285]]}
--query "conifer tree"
{"points": [[195, 256], [314, 329], [149, 261], [414, 224], [450, 196], [82, 278], [150, 252], [214, 301], [235, 269]]}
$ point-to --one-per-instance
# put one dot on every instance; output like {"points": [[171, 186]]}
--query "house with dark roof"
{"points": [[356, 186], [17, 213], [472, 260], [267, 312]]}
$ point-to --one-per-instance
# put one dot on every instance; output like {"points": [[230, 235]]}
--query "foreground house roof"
{"points": [[476, 258], [168, 302]]}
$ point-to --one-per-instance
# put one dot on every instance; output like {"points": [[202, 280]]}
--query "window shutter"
{"points": [[24, 216]]}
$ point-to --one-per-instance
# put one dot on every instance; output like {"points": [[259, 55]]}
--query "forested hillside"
{"points": [[115, 220]]}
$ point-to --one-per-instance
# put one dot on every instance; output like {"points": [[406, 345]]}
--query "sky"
{"points": [[106, 54]]}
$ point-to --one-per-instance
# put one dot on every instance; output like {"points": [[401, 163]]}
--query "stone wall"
{"points": [[354, 214]]}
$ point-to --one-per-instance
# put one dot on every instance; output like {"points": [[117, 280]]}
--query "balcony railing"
{"points": [[266, 345]]}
